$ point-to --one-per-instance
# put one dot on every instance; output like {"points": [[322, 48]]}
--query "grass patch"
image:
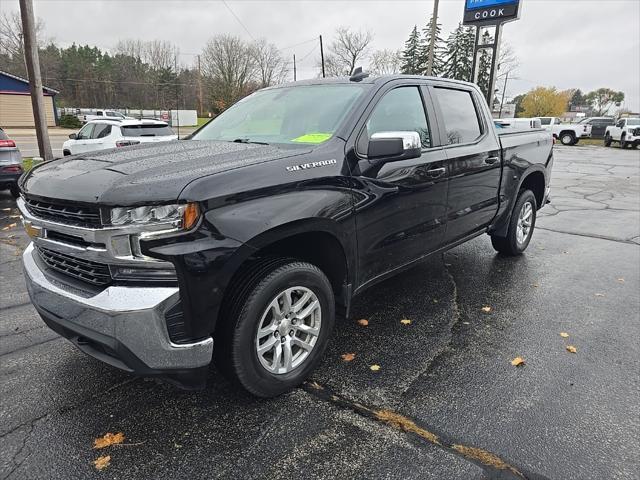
{"points": [[203, 120], [27, 163], [599, 142]]}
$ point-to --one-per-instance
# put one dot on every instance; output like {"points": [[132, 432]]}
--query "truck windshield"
{"points": [[305, 114], [633, 121]]}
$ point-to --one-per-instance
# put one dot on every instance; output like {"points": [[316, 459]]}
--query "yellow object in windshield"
{"points": [[312, 138]]}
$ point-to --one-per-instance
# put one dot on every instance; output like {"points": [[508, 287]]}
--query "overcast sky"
{"points": [[582, 44]]}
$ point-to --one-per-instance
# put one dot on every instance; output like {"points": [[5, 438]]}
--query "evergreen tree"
{"points": [[453, 59], [438, 50], [467, 40], [410, 58], [484, 65]]}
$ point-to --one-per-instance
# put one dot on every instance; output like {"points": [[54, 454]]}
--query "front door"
{"points": [[400, 207], [473, 157], [79, 145]]}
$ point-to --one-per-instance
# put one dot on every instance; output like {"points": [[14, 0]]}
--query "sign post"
{"points": [[489, 13]]}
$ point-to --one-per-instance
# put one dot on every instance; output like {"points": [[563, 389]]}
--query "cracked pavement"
{"points": [[448, 373]]}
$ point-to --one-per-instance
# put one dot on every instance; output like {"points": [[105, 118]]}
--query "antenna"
{"points": [[358, 75]]}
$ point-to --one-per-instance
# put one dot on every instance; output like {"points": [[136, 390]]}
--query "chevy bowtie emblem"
{"points": [[306, 166]]}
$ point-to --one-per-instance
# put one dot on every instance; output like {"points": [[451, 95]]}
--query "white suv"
{"points": [[626, 131], [104, 134]]}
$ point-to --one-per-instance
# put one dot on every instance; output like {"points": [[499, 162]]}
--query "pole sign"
{"points": [[490, 12]]}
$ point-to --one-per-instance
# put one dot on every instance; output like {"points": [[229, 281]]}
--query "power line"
{"points": [[239, 21], [309, 53]]}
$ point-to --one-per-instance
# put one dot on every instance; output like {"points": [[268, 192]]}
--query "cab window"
{"points": [[101, 130], [400, 110]]}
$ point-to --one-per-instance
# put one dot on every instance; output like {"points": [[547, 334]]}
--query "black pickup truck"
{"points": [[243, 243]]}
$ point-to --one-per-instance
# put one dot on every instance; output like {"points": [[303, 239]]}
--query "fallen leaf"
{"points": [[102, 462], [10, 226], [405, 321], [466, 323], [486, 309], [571, 348], [564, 334], [374, 368], [565, 252], [364, 322], [518, 361], [599, 294], [621, 280], [435, 300], [535, 285], [6, 209], [348, 357], [108, 439]]}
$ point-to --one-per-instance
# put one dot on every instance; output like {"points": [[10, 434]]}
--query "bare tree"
{"points": [[158, 54], [228, 63], [385, 62], [347, 49], [271, 67], [11, 34]]}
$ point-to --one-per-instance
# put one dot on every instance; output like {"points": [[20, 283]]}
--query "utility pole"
{"points": [[294, 67], [322, 56], [35, 80], [175, 66], [432, 43], [199, 87], [504, 89]]}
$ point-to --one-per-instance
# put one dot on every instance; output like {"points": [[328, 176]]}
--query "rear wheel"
{"points": [[276, 326], [14, 190], [521, 225], [568, 138]]}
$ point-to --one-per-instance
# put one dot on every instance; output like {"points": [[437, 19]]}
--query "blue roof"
{"points": [[13, 83]]}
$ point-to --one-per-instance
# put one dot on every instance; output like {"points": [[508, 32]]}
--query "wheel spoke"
{"points": [[267, 346], [302, 344], [286, 301], [304, 328], [301, 303], [308, 310], [268, 330], [277, 357], [288, 355]]}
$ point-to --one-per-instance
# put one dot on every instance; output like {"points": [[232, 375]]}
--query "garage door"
{"points": [[16, 111]]}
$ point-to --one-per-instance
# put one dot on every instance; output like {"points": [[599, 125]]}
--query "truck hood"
{"points": [[155, 172]]}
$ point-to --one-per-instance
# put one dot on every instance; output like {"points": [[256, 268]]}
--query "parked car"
{"points": [[269, 220], [568, 134], [10, 164], [104, 134], [626, 132], [519, 122], [104, 115], [598, 125]]}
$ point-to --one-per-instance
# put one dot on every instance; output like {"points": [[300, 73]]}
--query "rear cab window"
{"points": [[460, 116], [146, 130]]}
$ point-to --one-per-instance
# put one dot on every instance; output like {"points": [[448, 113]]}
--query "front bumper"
{"points": [[121, 325]]}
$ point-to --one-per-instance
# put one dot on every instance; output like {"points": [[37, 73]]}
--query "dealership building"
{"points": [[15, 102]]}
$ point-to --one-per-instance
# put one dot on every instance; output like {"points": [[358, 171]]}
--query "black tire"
{"points": [[66, 153], [14, 191], [567, 138], [254, 289], [607, 140], [510, 245], [623, 143]]}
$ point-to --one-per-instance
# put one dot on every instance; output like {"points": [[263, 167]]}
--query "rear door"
{"points": [[473, 160], [400, 207]]}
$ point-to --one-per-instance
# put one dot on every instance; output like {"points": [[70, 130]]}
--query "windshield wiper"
{"points": [[246, 140]]}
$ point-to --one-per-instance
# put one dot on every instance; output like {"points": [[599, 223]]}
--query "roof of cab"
{"points": [[128, 123]]}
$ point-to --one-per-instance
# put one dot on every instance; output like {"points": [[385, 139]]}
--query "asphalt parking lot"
{"points": [[446, 402]]}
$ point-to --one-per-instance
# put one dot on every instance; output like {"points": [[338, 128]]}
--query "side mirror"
{"points": [[73, 136], [394, 146]]}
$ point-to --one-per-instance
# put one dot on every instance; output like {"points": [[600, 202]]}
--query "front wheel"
{"points": [[607, 140], [521, 225], [14, 190], [278, 326], [623, 143], [567, 139]]}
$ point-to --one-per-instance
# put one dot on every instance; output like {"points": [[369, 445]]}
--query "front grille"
{"points": [[636, 132], [67, 214], [93, 273]]}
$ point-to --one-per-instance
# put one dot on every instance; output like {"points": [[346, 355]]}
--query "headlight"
{"points": [[181, 217]]}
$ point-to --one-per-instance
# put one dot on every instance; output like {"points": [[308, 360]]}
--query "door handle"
{"points": [[491, 160], [436, 172]]}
